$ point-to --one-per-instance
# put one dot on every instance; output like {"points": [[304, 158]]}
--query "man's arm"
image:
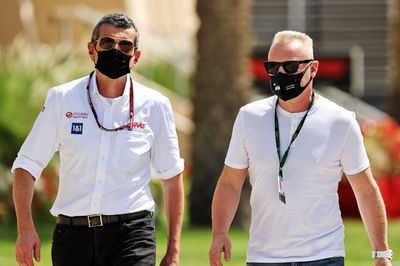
{"points": [[372, 210], [173, 204], [225, 202], [27, 240]]}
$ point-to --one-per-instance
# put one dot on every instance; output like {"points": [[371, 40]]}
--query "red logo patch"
{"points": [[139, 125], [77, 115]]}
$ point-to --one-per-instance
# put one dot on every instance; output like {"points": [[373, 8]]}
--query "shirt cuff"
{"points": [[236, 165], [357, 170], [34, 169], [178, 168]]}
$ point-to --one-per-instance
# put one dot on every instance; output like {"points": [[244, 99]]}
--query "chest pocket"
{"points": [[131, 150]]}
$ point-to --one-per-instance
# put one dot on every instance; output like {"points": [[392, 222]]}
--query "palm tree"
{"points": [[221, 88]]}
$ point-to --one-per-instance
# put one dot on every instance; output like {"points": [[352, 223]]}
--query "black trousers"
{"points": [[125, 243]]}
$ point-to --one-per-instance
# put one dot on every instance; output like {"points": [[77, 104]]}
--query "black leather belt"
{"points": [[99, 219]]}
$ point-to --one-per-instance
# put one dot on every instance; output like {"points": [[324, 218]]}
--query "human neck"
{"points": [[298, 104], [110, 88]]}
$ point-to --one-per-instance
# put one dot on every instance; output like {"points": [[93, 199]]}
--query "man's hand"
{"points": [[382, 262], [173, 204], [27, 242], [372, 210], [170, 260], [220, 244], [224, 205]]}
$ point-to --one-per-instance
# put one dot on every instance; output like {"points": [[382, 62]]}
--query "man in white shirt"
{"points": [[109, 131], [295, 146]]}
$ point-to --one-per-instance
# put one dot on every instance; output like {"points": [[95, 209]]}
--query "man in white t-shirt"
{"points": [[295, 146]]}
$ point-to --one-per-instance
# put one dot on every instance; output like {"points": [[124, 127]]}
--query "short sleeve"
{"points": [[165, 156], [237, 156], [354, 157], [42, 142]]}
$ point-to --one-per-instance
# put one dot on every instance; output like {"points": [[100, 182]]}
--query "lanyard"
{"points": [[129, 125], [282, 160]]}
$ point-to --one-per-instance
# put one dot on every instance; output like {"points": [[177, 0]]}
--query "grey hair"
{"points": [[118, 20]]}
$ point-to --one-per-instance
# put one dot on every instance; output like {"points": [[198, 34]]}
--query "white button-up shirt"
{"points": [[103, 172]]}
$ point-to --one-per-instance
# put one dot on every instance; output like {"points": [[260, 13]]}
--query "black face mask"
{"points": [[113, 63], [286, 86]]}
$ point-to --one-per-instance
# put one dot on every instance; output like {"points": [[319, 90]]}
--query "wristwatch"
{"points": [[388, 254]]}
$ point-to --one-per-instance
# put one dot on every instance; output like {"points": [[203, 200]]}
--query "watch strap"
{"points": [[388, 254]]}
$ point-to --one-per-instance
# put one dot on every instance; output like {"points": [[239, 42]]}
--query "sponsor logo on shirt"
{"points": [[76, 115], [77, 128], [139, 125]]}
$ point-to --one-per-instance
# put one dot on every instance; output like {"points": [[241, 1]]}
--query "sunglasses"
{"points": [[107, 43], [290, 67]]}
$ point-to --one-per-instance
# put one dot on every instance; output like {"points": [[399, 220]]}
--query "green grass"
{"points": [[358, 249], [196, 242]]}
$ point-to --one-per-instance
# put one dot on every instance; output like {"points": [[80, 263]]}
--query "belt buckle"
{"points": [[95, 220]]}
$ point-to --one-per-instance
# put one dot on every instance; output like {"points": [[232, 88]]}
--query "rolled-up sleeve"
{"points": [[165, 156], [42, 142]]}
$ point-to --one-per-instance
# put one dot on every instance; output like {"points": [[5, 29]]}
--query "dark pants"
{"points": [[120, 244], [334, 261]]}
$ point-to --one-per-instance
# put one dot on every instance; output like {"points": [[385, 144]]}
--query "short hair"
{"points": [[118, 20], [286, 36]]}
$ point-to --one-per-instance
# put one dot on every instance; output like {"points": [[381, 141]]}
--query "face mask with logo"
{"points": [[287, 86], [113, 63]]}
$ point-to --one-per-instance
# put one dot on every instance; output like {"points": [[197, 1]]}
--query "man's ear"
{"points": [[314, 68], [135, 58], [91, 51]]}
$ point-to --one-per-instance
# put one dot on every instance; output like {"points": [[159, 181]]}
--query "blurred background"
{"points": [[206, 56]]}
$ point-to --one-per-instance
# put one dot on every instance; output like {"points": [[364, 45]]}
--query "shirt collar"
{"points": [[283, 112], [98, 97]]}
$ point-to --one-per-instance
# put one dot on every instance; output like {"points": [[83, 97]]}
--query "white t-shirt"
{"points": [[103, 172], [309, 226]]}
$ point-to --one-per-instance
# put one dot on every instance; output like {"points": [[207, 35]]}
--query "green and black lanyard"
{"points": [[282, 160]]}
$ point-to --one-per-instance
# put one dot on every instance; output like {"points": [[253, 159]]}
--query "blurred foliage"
{"points": [[382, 141], [167, 75], [27, 72], [6, 205]]}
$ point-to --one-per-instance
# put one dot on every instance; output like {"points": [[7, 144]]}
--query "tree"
{"points": [[394, 58], [221, 87]]}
